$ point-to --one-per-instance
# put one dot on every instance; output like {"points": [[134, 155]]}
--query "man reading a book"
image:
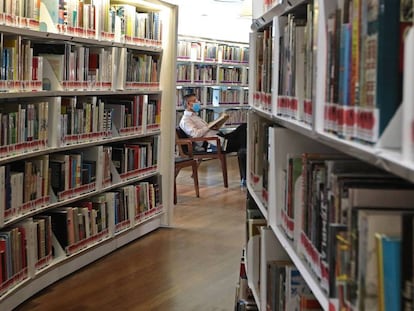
{"points": [[194, 126]]}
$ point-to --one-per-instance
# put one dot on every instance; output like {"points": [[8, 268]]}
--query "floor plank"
{"points": [[193, 265]]}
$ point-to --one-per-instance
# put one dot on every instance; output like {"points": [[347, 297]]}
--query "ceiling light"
{"points": [[231, 1]]}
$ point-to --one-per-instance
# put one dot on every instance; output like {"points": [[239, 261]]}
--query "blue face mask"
{"points": [[196, 107]]}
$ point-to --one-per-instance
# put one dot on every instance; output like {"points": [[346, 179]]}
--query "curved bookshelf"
{"points": [[78, 123]]}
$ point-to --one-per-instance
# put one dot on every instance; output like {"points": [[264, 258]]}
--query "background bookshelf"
{"points": [[321, 123], [217, 71], [82, 100]]}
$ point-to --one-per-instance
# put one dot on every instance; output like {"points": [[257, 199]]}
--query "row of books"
{"points": [[133, 203], [24, 182], [285, 287], [95, 19], [211, 74], [212, 51], [24, 123], [215, 96], [85, 116], [293, 41], [135, 24], [292, 67], [28, 66], [231, 96], [365, 67], [262, 66], [365, 47], [25, 127], [259, 160], [142, 68], [70, 67], [38, 182], [135, 155], [334, 209], [334, 206], [202, 73], [32, 244], [296, 89], [230, 75], [235, 116]]}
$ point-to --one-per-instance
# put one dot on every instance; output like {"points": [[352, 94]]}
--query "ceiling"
{"points": [[215, 19]]}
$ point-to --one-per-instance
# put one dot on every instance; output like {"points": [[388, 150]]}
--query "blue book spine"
{"points": [[345, 64], [391, 248]]}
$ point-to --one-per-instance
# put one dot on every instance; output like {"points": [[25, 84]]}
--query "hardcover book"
{"points": [[381, 94], [219, 122], [389, 272]]}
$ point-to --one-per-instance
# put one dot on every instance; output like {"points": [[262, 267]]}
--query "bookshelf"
{"points": [[217, 71], [85, 161], [310, 93]]}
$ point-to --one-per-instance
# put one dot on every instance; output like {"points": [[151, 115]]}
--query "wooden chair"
{"points": [[203, 155], [186, 160]]}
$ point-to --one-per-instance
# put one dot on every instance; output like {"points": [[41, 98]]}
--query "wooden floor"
{"points": [[192, 266]]}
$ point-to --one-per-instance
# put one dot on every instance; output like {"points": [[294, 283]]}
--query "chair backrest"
{"points": [[180, 134], [183, 149]]}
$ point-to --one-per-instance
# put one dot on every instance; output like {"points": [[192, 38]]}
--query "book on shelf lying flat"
{"points": [[219, 122]]}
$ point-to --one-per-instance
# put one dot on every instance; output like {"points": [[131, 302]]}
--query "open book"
{"points": [[219, 122]]}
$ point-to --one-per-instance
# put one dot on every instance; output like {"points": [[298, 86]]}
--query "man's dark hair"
{"points": [[187, 96]]}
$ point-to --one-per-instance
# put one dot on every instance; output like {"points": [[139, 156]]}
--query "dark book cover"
{"points": [[381, 87], [59, 222], [118, 159], [57, 175], [407, 260], [88, 171]]}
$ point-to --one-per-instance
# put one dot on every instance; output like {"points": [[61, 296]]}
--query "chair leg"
{"points": [[175, 191], [195, 177], [224, 169]]}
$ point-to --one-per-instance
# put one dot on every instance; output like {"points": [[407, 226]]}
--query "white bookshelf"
{"points": [[220, 81], [392, 151], [161, 89]]}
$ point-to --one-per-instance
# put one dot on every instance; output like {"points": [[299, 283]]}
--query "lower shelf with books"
{"points": [[332, 215], [277, 277], [58, 241], [61, 268]]}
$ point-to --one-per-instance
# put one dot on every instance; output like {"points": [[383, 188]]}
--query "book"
{"points": [[407, 276], [381, 96], [254, 226], [308, 302], [275, 277], [371, 221], [219, 122], [333, 260], [389, 272], [60, 226], [295, 286]]}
